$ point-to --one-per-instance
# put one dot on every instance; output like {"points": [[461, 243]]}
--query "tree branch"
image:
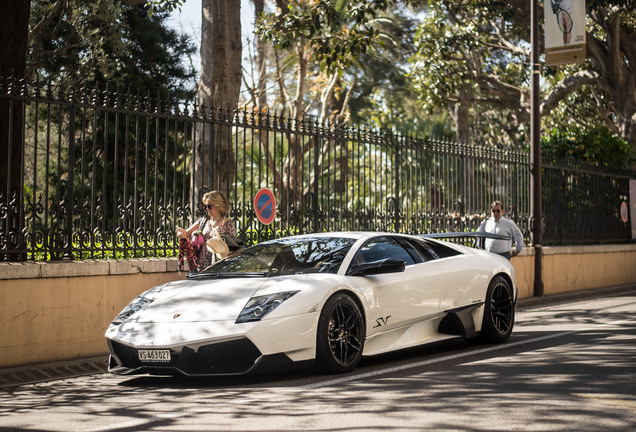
{"points": [[302, 76], [326, 94], [605, 114], [341, 115], [505, 44], [280, 79], [49, 16], [567, 86], [133, 3]]}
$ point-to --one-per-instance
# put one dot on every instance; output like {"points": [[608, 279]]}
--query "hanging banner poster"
{"points": [[564, 31]]}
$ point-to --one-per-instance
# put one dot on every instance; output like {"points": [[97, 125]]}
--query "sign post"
{"points": [[564, 43], [536, 217]]}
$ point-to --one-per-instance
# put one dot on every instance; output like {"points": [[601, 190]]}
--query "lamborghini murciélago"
{"points": [[319, 299]]}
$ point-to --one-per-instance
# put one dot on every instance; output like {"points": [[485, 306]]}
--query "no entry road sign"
{"points": [[265, 206]]}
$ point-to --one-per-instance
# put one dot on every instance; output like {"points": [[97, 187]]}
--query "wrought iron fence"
{"points": [[110, 174], [582, 203]]}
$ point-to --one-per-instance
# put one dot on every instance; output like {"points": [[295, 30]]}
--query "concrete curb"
{"points": [[530, 302]]}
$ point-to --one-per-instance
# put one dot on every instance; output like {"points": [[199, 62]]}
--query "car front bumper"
{"points": [[214, 348]]}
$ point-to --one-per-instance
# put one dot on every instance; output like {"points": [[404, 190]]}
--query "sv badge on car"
{"points": [[382, 321]]}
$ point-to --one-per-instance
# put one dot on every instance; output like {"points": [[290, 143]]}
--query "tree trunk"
{"points": [[459, 113], [261, 54], [467, 193], [14, 29], [218, 94]]}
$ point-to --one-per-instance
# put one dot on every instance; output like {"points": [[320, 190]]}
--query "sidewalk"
{"points": [[35, 373]]}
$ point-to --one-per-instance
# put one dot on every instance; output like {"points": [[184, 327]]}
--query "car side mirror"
{"points": [[388, 265]]}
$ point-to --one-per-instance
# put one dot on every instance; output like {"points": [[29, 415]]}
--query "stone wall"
{"points": [[60, 310]]}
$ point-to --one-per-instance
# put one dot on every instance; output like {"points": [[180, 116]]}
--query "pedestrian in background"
{"points": [[498, 224], [194, 241]]}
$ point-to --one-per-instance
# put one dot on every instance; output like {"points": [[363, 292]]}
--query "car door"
{"points": [[399, 299], [465, 276]]}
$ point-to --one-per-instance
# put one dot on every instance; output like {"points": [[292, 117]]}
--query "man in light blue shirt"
{"points": [[498, 224]]}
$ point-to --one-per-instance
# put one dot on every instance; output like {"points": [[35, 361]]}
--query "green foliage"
{"points": [[383, 97], [453, 46], [99, 42], [154, 56], [459, 60], [164, 5], [475, 54], [105, 247], [596, 145], [368, 44], [106, 45], [72, 41], [337, 31], [625, 4]]}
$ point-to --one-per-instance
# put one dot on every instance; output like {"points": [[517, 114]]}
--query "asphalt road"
{"points": [[567, 367]]}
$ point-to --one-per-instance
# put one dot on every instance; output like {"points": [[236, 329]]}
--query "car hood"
{"points": [[224, 298], [198, 300]]}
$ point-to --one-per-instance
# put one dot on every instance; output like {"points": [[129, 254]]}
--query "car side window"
{"points": [[440, 250], [422, 253], [382, 248]]}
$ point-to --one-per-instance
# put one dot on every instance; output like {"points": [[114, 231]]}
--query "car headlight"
{"points": [[258, 307], [134, 306]]}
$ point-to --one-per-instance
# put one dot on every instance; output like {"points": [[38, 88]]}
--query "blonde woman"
{"points": [[216, 221]]}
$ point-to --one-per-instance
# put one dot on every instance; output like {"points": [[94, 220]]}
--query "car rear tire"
{"points": [[499, 312], [340, 335]]}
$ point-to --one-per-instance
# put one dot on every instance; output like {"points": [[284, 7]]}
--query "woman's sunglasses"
{"points": [[208, 206]]}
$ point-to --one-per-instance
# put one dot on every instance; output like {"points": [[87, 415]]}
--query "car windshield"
{"points": [[285, 257]]}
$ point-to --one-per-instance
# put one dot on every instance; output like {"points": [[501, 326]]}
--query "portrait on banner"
{"points": [[564, 31]]}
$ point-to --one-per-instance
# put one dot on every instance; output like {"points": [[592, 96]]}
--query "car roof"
{"points": [[356, 235]]}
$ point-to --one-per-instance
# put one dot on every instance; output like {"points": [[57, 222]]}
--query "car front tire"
{"points": [[499, 312], [340, 335]]}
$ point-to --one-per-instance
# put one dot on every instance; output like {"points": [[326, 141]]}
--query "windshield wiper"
{"points": [[227, 275]]}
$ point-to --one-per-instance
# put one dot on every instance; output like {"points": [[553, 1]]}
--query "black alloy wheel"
{"points": [[340, 336], [499, 312]]}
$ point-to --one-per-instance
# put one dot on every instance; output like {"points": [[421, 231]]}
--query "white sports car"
{"points": [[323, 299]]}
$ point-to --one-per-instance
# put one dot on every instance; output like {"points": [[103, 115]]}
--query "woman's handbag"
{"points": [[197, 239], [233, 243], [187, 253]]}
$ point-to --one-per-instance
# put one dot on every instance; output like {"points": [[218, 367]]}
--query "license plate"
{"points": [[158, 356]]}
